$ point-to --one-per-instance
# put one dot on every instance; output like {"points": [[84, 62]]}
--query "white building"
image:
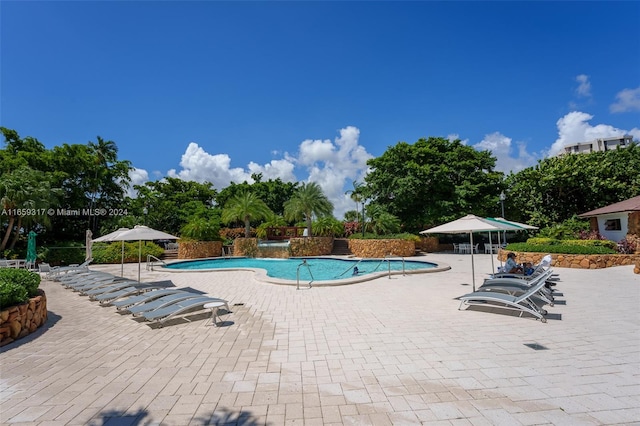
{"points": [[602, 144]]}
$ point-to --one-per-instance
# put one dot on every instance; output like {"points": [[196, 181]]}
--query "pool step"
{"points": [[341, 247]]}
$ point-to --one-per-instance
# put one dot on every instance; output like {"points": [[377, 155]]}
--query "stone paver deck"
{"points": [[386, 352]]}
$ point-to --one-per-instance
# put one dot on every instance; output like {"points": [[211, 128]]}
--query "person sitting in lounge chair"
{"points": [[510, 266]]}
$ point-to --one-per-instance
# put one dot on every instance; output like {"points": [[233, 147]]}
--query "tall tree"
{"points": [[307, 201], [273, 192], [558, 188], [245, 207], [433, 181], [25, 196]]}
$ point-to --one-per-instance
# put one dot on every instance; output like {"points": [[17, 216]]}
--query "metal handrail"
{"points": [[150, 264], [304, 263], [389, 263], [349, 268]]}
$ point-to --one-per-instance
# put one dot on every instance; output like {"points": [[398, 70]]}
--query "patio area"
{"points": [[385, 352]]}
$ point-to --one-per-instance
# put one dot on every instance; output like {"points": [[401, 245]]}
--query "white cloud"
{"points": [[626, 100], [508, 157], [574, 127], [138, 177], [200, 166], [331, 164], [584, 86], [334, 165]]}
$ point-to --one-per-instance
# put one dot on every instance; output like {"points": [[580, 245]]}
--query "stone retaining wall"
{"points": [[382, 248], [199, 249], [311, 246], [298, 247], [580, 261], [22, 320]]}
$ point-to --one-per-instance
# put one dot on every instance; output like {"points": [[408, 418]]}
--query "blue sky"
{"points": [[310, 90]]}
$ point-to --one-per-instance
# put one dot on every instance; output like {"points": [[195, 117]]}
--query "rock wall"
{"points": [[580, 261], [199, 249], [311, 246], [21, 320], [298, 247], [382, 248], [430, 244]]}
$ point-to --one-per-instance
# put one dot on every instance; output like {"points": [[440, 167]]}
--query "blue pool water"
{"points": [[320, 269]]}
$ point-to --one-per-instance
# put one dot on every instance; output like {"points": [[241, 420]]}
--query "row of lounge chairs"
{"points": [[521, 293], [155, 301]]}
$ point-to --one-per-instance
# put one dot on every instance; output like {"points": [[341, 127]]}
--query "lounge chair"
{"points": [[162, 302], [524, 302], [84, 278], [57, 270], [517, 286], [124, 304], [108, 288], [136, 288], [85, 287], [163, 314]]}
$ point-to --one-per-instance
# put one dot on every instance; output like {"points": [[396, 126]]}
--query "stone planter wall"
{"points": [[311, 246], [430, 244], [581, 261], [382, 248], [298, 247], [22, 320], [199, 249], [245, 247]]}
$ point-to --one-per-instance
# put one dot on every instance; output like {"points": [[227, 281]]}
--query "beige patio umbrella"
{"points": [[109, 238], [142, 233], [468, 225]]}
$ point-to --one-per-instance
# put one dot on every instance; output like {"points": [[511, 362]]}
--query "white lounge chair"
{"points": [[124, 304], [163, 314], [524, 302]]}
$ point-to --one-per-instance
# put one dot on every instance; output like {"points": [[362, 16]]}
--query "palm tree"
{"points": [[307, 201], [356, 195], [105, 153], [246, 207], [382, 222]]}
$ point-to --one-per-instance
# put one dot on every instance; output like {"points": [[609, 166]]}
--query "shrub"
{"points": [[561, 248], [63, 253], [17, 285], [570, 228], [12, 294], [112, 252], [29, 280], [369, 236], [200, 229]]}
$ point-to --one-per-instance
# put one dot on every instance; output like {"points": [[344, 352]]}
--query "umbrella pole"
{"points": [[493, 269], [473, 269], [139, 257], [122, 261], [500, 244]]}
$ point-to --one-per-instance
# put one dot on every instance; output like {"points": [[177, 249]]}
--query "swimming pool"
{"points": [[315, 269]]}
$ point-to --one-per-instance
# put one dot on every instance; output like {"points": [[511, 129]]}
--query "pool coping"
{"points": [[261, 274]]}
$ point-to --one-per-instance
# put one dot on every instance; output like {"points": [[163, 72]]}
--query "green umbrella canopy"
{"points": [[31, 247]]}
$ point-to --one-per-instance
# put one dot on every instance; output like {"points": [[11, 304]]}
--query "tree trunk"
{"points": [[7, 233], [17, 234], [247, 228]]}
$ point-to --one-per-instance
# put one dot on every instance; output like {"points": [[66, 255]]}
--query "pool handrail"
{"points": [[151, 264], [350, 268], [304, 263]]}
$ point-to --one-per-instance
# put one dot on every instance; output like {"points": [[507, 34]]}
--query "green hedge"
{"points": [[17, 286], [564, 248], [585, 243], [112, 252], [369, 236]]}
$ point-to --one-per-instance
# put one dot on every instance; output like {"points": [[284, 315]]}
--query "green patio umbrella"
{"points": [[31, 249]]}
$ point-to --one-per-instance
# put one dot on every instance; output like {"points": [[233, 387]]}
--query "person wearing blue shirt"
{"points": [[510, 266]]}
